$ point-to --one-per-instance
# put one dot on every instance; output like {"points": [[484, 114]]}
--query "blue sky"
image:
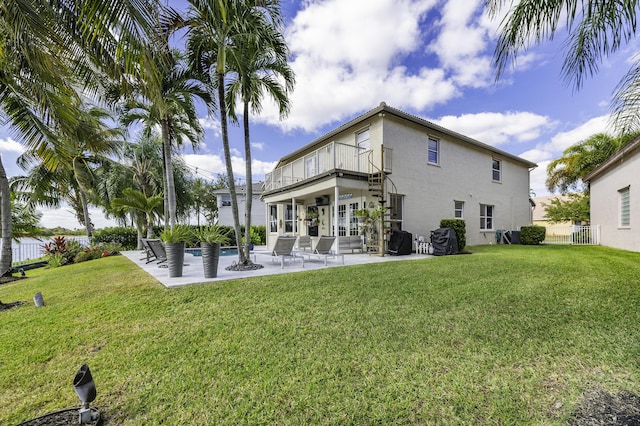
{"points": [[431, 58]]}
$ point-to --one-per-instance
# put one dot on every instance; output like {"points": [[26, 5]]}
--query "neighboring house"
{"points": [[615, 198], [225, 215], [540, 210], [420, 171]]}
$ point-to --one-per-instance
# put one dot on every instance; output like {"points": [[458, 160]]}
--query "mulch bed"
{"points": [[66, 417], [7, 306]]}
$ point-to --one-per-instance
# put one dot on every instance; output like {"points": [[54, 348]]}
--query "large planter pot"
{"points": [[175, 258], [210, 258]]}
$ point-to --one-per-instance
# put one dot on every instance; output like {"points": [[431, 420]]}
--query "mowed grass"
{"points": [[507, 335]]}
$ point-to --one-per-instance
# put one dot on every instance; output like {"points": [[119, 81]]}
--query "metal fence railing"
{"points": [[573, 234]]}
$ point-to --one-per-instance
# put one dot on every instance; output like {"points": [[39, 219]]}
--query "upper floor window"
{"points": [[458, 209], [225, 200], [433, 156], [486, 217], [625, 208], [496, 170], [362, 140]]}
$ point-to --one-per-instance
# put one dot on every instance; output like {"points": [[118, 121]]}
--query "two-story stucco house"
{"points": [[419, 171], [615, 204], [225, 215]]}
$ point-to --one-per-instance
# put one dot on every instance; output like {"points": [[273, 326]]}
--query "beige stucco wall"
{"points": [[605, 204], [464, 174]]}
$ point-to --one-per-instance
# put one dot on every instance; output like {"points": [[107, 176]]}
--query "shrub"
{"points": [[532, 235], [126, 238], [259, 234], [61, 251], [459, 227]]}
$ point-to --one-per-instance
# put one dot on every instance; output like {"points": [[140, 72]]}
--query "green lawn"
{"points": [[508, 335]]}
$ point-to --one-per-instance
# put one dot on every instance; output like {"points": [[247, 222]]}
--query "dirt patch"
{"points": [[600, 408], [9, 279]]}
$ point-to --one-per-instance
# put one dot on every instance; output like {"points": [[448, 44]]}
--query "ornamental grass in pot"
{"points": [[175, 241], [211, 239]]}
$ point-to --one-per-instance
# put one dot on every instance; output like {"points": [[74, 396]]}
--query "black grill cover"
{"points": [[400, 243], [444, 242]]}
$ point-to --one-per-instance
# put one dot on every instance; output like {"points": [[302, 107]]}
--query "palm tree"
{"points": [[565, 173], [259, 70], [135, 201], [75, 157], [596, 30], [218, 30], [169, 106], [48, 49]]}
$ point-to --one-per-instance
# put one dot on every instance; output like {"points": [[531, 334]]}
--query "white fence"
{"points": [[573, 234], [29, 248]]}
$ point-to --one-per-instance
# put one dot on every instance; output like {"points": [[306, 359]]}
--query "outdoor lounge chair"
{"points": [[156, 251], [323, 251], [304, 242], [283, 249]]}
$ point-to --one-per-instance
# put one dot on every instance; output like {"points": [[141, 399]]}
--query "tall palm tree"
{"points": [[217, 31], [565, 174], [260, 70], [169, 106], [596, 29], [48, 49]]}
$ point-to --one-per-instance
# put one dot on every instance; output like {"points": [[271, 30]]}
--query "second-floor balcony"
{"points": [[333, 156]]}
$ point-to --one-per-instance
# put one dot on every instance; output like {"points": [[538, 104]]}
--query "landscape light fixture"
{"points": [[86, 390]]}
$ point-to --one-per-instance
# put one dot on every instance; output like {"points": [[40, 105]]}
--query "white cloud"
{"points": [[10, 145], [259, 146], [462, 41], [498, 128], [347, 55]]}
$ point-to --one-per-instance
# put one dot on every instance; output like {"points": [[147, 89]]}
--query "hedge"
{"points": [[532, 235]]}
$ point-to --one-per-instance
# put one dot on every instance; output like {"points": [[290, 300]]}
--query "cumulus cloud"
{"points": [[495, 128], [10, 145]]}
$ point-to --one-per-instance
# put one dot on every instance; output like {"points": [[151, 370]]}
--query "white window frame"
{"points": [[495, 170], [435, 150], [273, 218], [487, 215], [289, 219], [458, 209], [396, 210], [363, 140], [625, 207]]}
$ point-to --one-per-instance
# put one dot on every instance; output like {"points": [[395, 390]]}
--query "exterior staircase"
{"points": [[379, 185]]}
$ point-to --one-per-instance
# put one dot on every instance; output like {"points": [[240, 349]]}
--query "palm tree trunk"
{"points": [[85, 213], [249, 191], [227, 160], [170, 194], [5, 208]]}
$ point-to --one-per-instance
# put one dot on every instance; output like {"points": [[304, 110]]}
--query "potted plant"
{"points": [[361, 215], [174, 243], [211, 238]]}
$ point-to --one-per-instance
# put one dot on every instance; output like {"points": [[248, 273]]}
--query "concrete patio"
{"points": [[193, 272]]}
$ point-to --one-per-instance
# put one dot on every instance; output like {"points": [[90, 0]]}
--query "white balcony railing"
{"points": [[329, 157]]}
